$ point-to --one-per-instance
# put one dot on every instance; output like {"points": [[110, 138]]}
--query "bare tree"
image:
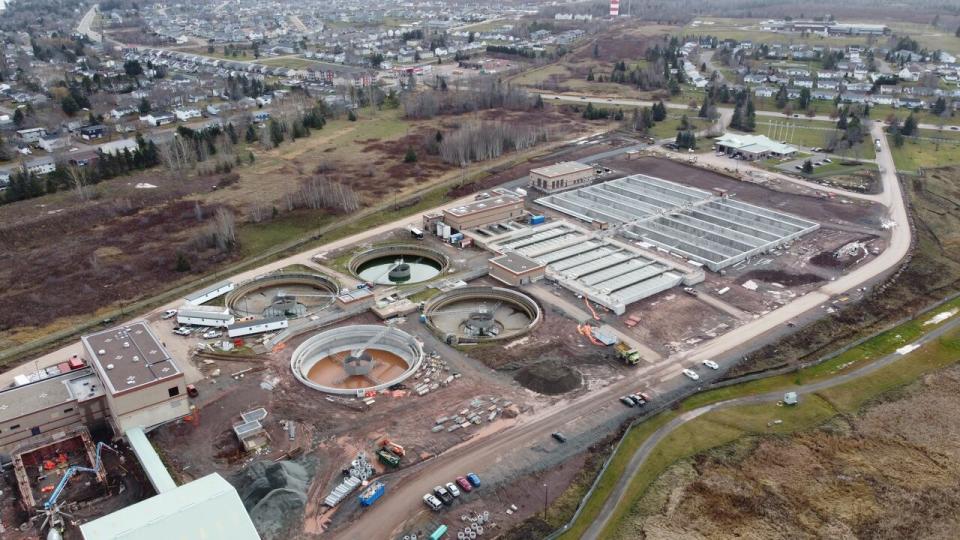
{"points": [[78, 179]]}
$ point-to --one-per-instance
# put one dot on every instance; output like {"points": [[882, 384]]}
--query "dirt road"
{"points": [[642, 453]]}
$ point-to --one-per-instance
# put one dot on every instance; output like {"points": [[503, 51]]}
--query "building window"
{"points": [[15, 426], [175, 391], [67, 411]]}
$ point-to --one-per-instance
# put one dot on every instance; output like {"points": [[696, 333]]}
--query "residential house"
{"points": [[184, 115], [909, 73], [89, 133], [41, 165], [31, 135], [52, 143]]}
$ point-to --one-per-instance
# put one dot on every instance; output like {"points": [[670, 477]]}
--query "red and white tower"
{"points": [[614, 8]]}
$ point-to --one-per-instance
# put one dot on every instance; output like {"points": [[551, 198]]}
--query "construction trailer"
{"points": [[257, 326], [212, 316]]}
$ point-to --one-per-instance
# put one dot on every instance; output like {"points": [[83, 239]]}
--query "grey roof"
{"points": [[205, 291], [207, 508], [46, 393]]}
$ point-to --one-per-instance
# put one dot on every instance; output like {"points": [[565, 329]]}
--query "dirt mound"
{"points": [[274, 494], [549, 377], [784, 278]]}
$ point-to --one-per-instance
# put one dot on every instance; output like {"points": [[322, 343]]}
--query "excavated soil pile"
{"points": [[549, 377], [274, 494], [784, 278]]}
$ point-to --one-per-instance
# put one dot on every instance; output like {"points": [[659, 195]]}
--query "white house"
{"points": [[42, 165], [907, 74], [186, 114], [51, 144]]}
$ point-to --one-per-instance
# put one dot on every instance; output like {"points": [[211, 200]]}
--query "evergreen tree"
{"points": [[807, 167], [909, 126], [781, 97], [251, 136], [750, 122], [804, 100], [410, 156], [144, 106], [352, 116], [19, 119]]}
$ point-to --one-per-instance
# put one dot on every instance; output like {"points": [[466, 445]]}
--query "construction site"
{"points": [[320, 385]]}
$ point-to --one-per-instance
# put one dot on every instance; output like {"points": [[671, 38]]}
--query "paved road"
{"points": [[404, 503], [404, 500], [642, 453], [84, 26]]}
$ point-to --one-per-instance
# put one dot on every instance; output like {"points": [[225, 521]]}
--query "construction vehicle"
{"points": [[53, 514], [629, 356], [387, 458], [393, 447]]}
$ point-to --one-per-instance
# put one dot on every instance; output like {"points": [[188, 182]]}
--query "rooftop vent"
{"points": [[109, 366], [136, 358], [126, 344], [101, 352]]}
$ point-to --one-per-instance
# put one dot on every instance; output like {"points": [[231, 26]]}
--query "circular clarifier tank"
{"points": [[289, 295], [474, 314], [356, 359], [398, 264]]}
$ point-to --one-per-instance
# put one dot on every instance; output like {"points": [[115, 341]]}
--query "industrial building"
{"points": [[711, 230], [143, 385], [51, 404], [560, 176], [514, 269], [611, 273], [208, 507], [504, 205], [752, 147]]}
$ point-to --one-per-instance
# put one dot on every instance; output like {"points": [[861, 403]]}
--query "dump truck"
{"points": [[388, 459], [627, 355]]}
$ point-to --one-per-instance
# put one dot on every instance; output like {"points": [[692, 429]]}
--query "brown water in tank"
{"points": [[329, 370]]}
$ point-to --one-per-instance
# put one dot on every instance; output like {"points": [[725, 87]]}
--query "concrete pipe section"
{"points": [[398, 264], [475, 314], [289, 295], [355, 359]]}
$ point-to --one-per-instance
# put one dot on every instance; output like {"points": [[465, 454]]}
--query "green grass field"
{"points": [[925, 152]]}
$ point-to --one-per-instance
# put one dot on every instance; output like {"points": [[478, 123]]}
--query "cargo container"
{"points": [[454, 238], [373, 492], [537, 220]]}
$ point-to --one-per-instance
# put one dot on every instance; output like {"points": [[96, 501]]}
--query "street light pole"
{"points": [[545, 497]]}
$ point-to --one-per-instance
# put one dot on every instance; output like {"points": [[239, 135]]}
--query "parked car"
{"points": [[168, 314], [627, 401], [560, 437], [192, 391], [432, 502], [711, 364], [212, 334], [181, 331], [827, 160], [638, 400], [443, 495], [453, 489], [474, 479], [691, 374], [464, 484], [644, 395]]}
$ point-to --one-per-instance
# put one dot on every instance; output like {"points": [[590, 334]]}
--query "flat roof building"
{"points": [[752, 147], [209, 293], [504, 206], [144, 386], [208, 507], [561, 176], [515, 269], [215, 316]]}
